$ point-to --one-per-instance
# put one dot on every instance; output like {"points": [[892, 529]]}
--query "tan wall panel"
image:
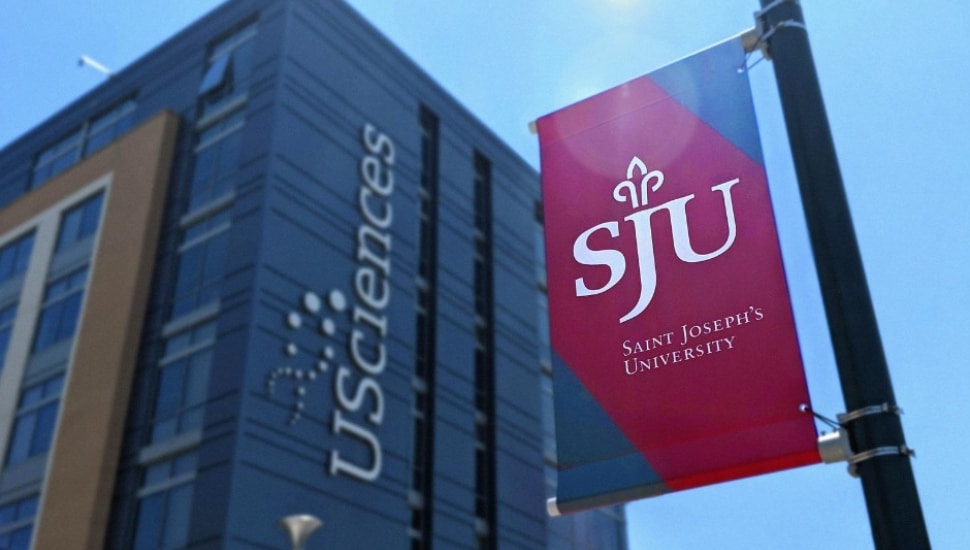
{"points": [[84, 457]]}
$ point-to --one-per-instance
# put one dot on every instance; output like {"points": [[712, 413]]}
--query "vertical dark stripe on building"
{"points": [[485, 489], [422, 481]]}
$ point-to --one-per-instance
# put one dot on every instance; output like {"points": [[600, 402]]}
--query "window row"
{"points": [[203, 252], [16, 523], [83, 142], [181, 394], [77, 224], [201, 264], [544, 345], [7, 315], [228, 70], [61, 309], [182, 382], [62, 298], [204, 249], [424, 371], [181, 378], [57, 321], [484, 363], [80, 222], [216, 159], [14, 257], [165, 503], [33, 428]]}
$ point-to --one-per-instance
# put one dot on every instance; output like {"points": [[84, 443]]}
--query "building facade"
{"points": [[272, 268]]}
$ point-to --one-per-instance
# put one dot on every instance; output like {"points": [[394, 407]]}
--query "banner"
{"points": [[675, 358]]}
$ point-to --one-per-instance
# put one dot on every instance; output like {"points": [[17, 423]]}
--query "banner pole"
{"points": [[876, 432]]}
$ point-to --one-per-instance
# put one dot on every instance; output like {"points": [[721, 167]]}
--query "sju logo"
{"points": [[638, 196]]}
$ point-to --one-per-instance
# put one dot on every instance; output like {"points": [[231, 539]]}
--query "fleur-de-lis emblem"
{"points": [[646, 176]]}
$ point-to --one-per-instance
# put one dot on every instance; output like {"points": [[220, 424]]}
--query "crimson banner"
{"points": [[676, 362]]}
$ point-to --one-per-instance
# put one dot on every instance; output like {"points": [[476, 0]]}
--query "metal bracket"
{"points": [[855, 459], [834, 446], [760, 13], [757, 38], [885, 408]]}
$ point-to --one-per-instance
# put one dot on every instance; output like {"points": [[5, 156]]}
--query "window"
{"points": [[483, 193], [80, 222], [7, 315], [83, 142], [222, 98], [216, 74], [165, 503], [548, 420], [422, 480], [62, 307], [482, 482], [203, 227], [542, 324], [36, 417], [485, 489], [202, 263], [540, 254], [14, 257], [109, 126], [57, 158], [16, 523], [229, 70], [481, 378], [183, 381], [481, 281], [216, 158]]}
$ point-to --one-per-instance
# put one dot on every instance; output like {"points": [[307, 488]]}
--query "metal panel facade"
{"points": [[280, 369]]}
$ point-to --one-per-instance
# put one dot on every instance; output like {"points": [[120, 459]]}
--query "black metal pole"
{"points": [[887, 481]]}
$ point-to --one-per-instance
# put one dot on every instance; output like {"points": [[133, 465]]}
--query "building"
{"points": [[272, 268]]}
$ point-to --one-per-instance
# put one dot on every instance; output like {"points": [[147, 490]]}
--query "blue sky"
{"points": [[896, 90]]}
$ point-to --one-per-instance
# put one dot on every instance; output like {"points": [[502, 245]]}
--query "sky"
{"points": [[897, 101]]}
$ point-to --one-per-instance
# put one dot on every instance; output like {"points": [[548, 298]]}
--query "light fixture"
{"points": [[299, 527]]}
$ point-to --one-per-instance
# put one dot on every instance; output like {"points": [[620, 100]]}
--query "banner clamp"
{"points": [[834, 446], [761, 13], [855, 459], [757, 38], [885, 408]]}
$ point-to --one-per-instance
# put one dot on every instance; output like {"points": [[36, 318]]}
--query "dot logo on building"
{"points": [[312, 306]]}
